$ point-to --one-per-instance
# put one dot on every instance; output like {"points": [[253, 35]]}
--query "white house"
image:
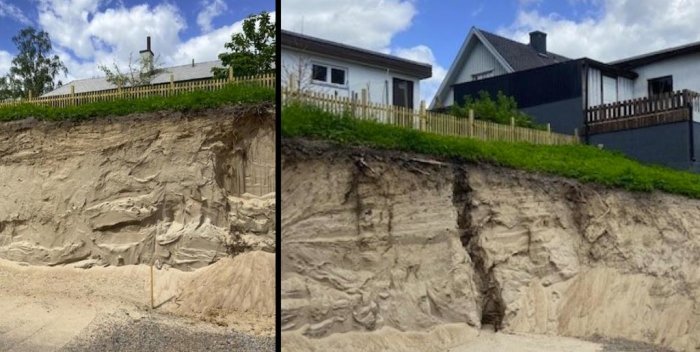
{"points": [[182, 73], [484, 55], [332, 68]]}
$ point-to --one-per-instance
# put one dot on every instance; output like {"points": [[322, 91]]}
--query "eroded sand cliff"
{"points": [[184, 188], [375, 240]]}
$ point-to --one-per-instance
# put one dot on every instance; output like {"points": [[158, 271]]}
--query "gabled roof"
{"points": [[324, 47], [654, 56], [180, 73], [518, 55], [513, 56]]}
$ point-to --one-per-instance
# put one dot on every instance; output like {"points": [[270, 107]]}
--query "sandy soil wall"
{"points": [[375, 240], [183, 188]]}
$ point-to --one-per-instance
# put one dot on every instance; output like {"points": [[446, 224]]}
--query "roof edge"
{"points": [[658, 55], [448, 81], [308, 43]]}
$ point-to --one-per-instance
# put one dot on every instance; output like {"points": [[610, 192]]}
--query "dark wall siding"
{"points": [[696, 140], [549, 94], [564, 115], [666, 144], [532, 87]]}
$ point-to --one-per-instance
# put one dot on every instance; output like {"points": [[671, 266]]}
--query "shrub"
{"points": [[499, 110]]}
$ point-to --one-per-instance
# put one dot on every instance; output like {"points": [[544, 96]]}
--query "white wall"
{"points": [[618, 90], [594, 92], [477, 61], [684, 69], [359, 76]]}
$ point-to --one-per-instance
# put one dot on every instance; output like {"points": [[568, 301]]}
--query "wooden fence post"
{"points": [[549, 133], [512, 129], [576, 135], [72, 94], [230, 73], [30, 95], [172, 83], [292, 82], [364, 103], [423, 117], [470, 129]]}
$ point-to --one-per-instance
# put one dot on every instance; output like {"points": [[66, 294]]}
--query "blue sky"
{"points": [[86, 33], [433, 31], [455, 17]]}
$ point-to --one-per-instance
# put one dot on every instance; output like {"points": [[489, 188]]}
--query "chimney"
{"points": [[147, 56], [538, 41], [192, 62]]}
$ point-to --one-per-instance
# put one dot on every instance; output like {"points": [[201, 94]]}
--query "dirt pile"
{"points": [[184, 188], [238, 292], [373, 240]]}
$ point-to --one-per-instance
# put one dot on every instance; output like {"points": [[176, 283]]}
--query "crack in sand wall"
{"points": [[563, 258]]}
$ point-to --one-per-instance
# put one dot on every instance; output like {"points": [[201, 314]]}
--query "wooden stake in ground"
{"points": [[152, 299]]}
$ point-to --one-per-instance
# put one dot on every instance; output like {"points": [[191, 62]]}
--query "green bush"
{"points": [[231, 94], [581, 162], [498, 111]]}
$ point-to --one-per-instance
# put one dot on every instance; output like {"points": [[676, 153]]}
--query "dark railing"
{"points": [[643, 106]]}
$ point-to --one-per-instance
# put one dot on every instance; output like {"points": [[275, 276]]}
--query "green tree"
{"points": [[251, 52], [499, 110], [138, 73], [34, 68]]}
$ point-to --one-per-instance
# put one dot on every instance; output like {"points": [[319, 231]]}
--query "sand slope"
{"points": [[237, 291]]}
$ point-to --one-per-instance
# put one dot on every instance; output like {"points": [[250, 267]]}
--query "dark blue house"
{"points": [[644, 106]]}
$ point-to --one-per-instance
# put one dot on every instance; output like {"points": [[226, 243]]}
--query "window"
{"points": [[327, 74], [320, 73], [403, 93], [661, 85], [337, 76], [482, 75]]}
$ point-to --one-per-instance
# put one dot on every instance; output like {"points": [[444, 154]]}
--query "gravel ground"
{"points": [[156, 332], [623, 345]]}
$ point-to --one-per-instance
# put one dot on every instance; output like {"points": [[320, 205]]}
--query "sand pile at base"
{"points": [[446, 337], [238, 292]]}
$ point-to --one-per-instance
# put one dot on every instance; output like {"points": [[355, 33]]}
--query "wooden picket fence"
{"points": [[428, 121], [162, 89]]}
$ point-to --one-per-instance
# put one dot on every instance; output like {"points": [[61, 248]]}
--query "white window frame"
{"points": [[329, 73]]}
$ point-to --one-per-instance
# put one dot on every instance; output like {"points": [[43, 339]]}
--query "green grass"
{"points": [[233, 94], [580, 162]]}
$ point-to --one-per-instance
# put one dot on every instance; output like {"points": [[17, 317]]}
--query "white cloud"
{"points": [[423, 53], [369, 24], [206, 47], [5, 62], [14, 12], [210, 10], [616, 28], [85, 34], [67, 21], [124, 30]]}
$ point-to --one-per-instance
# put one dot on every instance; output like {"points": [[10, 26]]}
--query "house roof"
{"points": [[654, 56], [346, 52], [513, 56], [520, 56], [180, 73]]}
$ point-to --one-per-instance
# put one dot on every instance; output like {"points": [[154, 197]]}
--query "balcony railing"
{"points": [[641, 112]]}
